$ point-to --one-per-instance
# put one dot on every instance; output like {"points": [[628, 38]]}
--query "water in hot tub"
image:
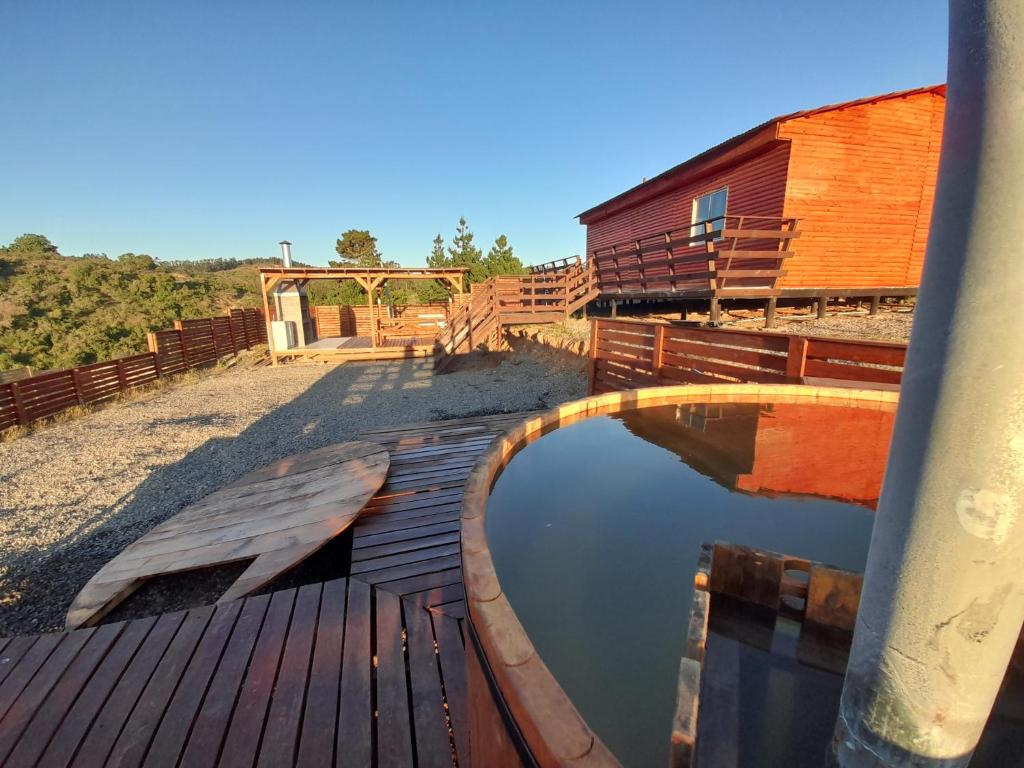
{"points": [[595, 529]]}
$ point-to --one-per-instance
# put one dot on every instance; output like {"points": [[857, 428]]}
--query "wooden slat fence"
{"points": [[189, 344], [341, 320], [404, 320], [628, 354]]}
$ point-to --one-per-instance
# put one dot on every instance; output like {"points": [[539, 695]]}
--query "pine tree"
{"points": [[463, 253], [501, 260], [358, 248], [437, 258]]}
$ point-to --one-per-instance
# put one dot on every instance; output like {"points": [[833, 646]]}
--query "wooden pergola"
{"points": [[371, 280]]}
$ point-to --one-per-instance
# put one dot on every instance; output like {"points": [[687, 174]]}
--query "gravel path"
{"points": [[73, 495]]}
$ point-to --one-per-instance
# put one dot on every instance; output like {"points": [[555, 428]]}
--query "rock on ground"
{"points": [[73, 495]]}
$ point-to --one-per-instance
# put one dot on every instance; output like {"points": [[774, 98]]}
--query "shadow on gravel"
{"points": [[342, 403], [41, 589]]}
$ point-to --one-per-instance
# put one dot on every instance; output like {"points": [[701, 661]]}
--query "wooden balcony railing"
{"points": [[728, 256]]}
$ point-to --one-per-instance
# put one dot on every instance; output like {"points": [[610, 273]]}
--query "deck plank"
{"points": [[394, 733], [119, 705], [26, 668], [316, 741], [208, 732], [174, 728], [46, 717], [452, 656], [15, 648], [355, 716], [64, 742], [136, 736], [281, 733], [24, 706], [433, 749], [241, 746]]}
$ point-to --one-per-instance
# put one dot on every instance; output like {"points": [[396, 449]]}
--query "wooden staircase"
{"points": [[549, 293]]}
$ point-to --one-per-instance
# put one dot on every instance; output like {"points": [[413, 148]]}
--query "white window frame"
{"points": [[694, 220]]}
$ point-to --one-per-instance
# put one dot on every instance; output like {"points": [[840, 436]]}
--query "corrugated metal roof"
{"points": [[738, 139]]}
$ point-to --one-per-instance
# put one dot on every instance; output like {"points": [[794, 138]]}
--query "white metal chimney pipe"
{"points": [[286, 254], [943, 596]]}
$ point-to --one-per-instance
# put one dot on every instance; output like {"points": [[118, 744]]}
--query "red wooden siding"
{"points": [[756, 187], [859, 176], [861, 181]]}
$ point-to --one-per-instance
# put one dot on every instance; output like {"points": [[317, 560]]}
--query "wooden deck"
{"points": [[367, 670], [339, 349]]}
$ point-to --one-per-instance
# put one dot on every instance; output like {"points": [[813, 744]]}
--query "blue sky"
{"points": [[215, 129]]}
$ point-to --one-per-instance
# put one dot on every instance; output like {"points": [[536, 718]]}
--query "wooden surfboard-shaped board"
{"points": [[275, 516]]}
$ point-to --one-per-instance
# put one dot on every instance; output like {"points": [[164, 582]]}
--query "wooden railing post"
{"points": [[592, 368], [213, 333], [76, 379], [796, 358], [122, 382], [19, 404], [181, 340], [154, 348], [231, 334], [658, 351]]}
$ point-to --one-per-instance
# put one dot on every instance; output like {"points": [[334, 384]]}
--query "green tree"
{"points": [[32, 245], [136, 261], [358, 248], [463, 253], [501, 260], [438, 259]]}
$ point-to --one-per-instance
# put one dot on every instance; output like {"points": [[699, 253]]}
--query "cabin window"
{"points": [[709, 207]]}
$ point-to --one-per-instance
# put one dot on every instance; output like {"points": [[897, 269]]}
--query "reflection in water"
{"points": [[775, 449], [595, 530]]}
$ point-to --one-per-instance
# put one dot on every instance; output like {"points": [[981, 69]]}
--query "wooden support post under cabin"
{"points": [[875, 301], [682, 312], [615, 308], [769, 313], [822, 306], [714, 312]]}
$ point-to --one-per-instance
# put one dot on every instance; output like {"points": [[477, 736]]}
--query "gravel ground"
{"points": [[73, 495], [885, 326]]}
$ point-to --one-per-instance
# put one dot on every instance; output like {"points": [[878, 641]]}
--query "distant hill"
{"points": [[60, 311]]}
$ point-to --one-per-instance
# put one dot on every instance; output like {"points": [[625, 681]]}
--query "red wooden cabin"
{"points": [[827, 202]]}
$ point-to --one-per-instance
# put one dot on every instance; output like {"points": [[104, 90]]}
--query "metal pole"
{"points": [[943, 597]]}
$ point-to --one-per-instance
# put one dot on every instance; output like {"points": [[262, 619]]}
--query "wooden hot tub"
{"points": [[519, 713]]}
